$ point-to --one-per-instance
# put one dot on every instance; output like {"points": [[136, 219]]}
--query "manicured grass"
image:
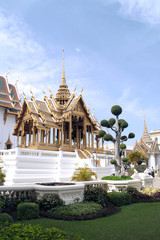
{"points": [[135, 222], [114, 178]]}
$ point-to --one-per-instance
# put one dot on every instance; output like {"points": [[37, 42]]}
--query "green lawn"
{"points": [[135, 222]]}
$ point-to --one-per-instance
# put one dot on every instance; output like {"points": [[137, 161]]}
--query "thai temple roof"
{"points": [[9, 96], [146, 144], [52, 111], [146, 137]]}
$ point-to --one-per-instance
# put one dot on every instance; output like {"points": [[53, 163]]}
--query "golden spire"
{"points": [[146, 137], [145, 128], [63, 74]]}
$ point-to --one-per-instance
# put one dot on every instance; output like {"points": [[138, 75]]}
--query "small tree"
{"points": [[83, 174], [137, 157], [117, 126]]}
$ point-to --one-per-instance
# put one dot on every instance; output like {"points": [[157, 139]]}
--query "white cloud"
{"points": [[28, 60], [147, 11]]}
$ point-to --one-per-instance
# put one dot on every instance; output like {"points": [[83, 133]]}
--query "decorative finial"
{"points": [[74, 90], [44, 92], [81, 91], [63, 74], [31, 92], [93, 112], [145, 128], [24, 93]]}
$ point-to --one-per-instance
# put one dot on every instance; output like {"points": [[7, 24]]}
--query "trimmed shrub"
{"points": [[113, 162], [21, 231], [136, 195], [116, 178], [1, 206], [77, 209], [49, 201], [11, 202], [119, 198], [26, 211], [5, 217], [96, 194]]}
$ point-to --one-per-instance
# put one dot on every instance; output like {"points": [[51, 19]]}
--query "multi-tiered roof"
{"points": [[9, 96]]}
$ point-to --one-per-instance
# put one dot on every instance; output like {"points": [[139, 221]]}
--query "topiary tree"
{"points": [[117, 126]]}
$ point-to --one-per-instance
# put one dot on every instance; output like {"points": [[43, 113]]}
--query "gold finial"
{"points": [[24, 93], [7, 73], [63, 74], [44, 92], [145, 128], [93, 112], [31, 92], [74, 90], [81, 91]]}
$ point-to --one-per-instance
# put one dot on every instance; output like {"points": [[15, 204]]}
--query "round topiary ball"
{"points": [[108, 137], [124, 138], [122, 123], [131, 135], [104, 123], [124, 160], [101, 133], [113, 162], [116, 110], [111, 121], [123, 146]]}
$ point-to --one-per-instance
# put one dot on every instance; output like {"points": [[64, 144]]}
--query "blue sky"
{"points": [[112, 50]]}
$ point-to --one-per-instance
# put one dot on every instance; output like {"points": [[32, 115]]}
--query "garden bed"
{"points": [[104, 212], [56, 184]]}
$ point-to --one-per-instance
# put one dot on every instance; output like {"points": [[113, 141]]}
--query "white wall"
{"points": [[7, 128]]}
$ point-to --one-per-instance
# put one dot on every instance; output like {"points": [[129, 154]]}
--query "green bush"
{"points": [[26, 211], [76, 209], [49, 201], [5, 217], [136, 195], [96, 194], [133, 192], [1, 205], [116, 178], [20, 231], [11, 202], [113, 162], [119, 198]]}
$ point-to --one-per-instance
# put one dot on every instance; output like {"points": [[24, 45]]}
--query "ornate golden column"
{"points": [[46, 137], [89, 138], [38, 131], [54, 136], [58, 134], [33, 135], [30, 135], [62, 136], [77, 135], [84, 132], [92, 138], [49, 136], [70, 132]]}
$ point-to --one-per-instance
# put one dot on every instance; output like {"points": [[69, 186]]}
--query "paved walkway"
{"points": [[156, 182]]}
